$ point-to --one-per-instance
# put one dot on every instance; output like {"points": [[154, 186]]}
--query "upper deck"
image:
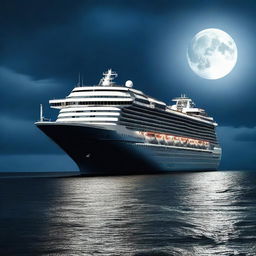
{"points": [[96, 103]]}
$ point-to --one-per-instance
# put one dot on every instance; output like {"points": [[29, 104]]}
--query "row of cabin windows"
{"points": [[160, 106], [164, 126], [170, 115], [63, 117], [127, 112], [166, 118], [92, 121], [108, 90], [168, 121], [86, 111], [100, 96], [142, 101], [91, 103], [101, 90]]}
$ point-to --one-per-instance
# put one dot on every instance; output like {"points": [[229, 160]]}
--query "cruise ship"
{"points": [[112, 129]]}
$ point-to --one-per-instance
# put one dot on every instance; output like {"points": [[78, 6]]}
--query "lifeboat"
{"points": [[183, 141], [200, 144], [150, 137], [166, 139], [160, 138], [197, 144], [170, 140], [191, 143], [206, 144], [177, 141]]}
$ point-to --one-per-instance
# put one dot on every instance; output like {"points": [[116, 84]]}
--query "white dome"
{"points": [[129, 83]]}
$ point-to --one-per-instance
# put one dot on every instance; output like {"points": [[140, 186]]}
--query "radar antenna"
{"points": [[108, 78]]}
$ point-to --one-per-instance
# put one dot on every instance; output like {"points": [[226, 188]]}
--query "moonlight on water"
{"points": [[212, 53]]}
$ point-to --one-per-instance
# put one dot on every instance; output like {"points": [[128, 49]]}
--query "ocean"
{"points": [[199, 213]]}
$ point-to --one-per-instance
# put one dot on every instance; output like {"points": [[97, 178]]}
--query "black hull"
{"points": [[92, 153], [103, 152]]}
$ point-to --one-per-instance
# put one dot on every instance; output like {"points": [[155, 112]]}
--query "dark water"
{"points": [[211, 213]]}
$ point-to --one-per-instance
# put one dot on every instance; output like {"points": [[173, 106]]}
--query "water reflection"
{"points": [[179, 214], [209, 199]]}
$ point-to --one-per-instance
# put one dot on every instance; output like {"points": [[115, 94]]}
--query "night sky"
{"points": [[45, 44]]}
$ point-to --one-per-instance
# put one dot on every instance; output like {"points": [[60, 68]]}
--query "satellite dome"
{"points": [[129, 83]]}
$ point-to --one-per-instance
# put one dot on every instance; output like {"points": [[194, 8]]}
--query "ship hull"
{"points": [[99, 151]]}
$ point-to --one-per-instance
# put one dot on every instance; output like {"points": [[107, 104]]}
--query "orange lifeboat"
{"points": [[177, 141], [150, 136], [160, 138], [183, 141]]}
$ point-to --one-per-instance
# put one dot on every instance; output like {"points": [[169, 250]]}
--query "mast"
{"points": [[41, 113], [79, 80], [108, 76]]}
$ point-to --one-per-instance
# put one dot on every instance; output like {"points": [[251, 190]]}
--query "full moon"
{"points": [[212, 53]]}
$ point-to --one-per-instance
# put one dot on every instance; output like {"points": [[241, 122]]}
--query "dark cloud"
{"points": [[19, 109], [21, 94]]}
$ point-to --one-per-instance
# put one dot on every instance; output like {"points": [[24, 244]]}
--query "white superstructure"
{"points": [[102, 103]]}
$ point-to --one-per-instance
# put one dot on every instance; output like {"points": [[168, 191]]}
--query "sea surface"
{"points": [[200, 213]]}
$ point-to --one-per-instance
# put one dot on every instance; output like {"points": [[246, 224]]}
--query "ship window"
{"points": [[143, 101], [91, 103], [100, 96], [102, 90], [160, 106]]}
